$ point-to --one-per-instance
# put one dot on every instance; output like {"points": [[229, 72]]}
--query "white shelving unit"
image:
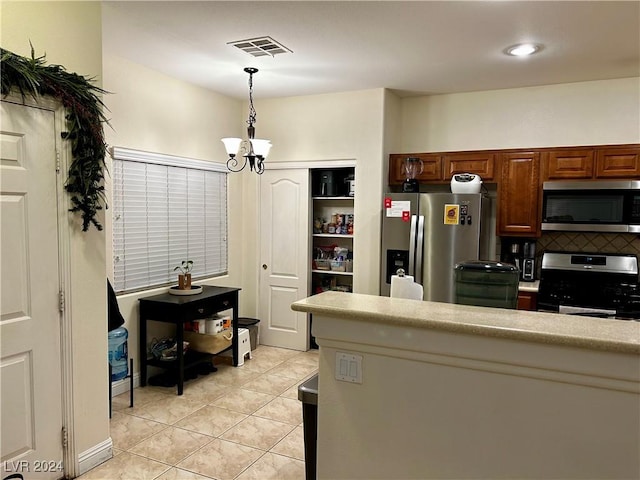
{"points": [[328, 210]]}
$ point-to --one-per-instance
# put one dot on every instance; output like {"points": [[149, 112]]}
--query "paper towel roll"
{"points": [[405, 287]]}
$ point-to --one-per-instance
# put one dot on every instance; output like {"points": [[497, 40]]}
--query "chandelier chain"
{"points": [[252, 110], [254, 151]]}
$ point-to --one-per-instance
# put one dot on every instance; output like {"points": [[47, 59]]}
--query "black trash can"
{"points": [[250, 324], [308, 395]]}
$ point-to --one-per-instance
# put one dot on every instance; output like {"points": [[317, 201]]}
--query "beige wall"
{"points": [[392, 122], [586, 113], [344, 126], [70, 34], [392, 132], [152, 112], [156, 113]]}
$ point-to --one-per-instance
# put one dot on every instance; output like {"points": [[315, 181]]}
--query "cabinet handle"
{"points": [[264, 266], [201, 310]]}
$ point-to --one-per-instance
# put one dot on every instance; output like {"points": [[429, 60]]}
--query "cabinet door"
{"points": [[568, 164], [519, 194], [527, 301], [432, 171], [478, 162], [618, 162]]}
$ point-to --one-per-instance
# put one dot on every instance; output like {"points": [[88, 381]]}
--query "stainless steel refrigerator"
{"points": [[426, 234]]}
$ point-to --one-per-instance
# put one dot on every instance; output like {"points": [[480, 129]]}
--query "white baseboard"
{"points": [[94, 456], [121, 386]]}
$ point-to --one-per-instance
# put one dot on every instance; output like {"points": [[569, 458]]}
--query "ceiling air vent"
{"points": [[260, 47]]}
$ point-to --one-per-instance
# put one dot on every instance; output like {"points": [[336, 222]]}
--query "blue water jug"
{"points": [[118, 353]]}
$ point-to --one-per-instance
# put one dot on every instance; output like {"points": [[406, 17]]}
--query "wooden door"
{"points": [[30, 364], [284, 257], [519, 194]]}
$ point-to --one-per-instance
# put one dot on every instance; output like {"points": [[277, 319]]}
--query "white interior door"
{"points": [[30, 366], [284, 257]]}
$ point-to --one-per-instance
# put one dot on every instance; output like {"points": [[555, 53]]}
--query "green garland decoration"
{"points": [[84, 118]]}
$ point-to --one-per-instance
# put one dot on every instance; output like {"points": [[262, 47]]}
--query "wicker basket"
{"points": [[209, 343]]}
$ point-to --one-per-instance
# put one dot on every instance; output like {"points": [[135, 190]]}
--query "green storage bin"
{"points": [[487, 284]]}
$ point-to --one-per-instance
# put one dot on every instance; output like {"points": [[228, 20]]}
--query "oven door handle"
{"points": [[571, 310]]}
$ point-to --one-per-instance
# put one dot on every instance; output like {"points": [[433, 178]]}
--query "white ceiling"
{"points": [[413, 48]]}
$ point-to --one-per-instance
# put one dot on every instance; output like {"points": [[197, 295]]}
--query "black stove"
{"points": [[593, 284]]}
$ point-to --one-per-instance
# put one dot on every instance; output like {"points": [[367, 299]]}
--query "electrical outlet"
{"points": [[348, 367]]}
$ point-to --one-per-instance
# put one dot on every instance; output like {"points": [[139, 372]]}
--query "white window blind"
{"points": [[165, 210]]}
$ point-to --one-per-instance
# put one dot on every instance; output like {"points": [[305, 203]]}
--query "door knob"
{"points": [[264, 266]]}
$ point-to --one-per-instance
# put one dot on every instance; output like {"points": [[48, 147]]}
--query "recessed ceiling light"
{"points": [[523, 49]]}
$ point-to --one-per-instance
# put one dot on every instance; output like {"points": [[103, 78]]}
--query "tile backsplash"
{"points": [[589, 242]]}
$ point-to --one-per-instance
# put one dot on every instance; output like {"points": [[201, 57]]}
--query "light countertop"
{"points": [[529, 286], [540, 327]]}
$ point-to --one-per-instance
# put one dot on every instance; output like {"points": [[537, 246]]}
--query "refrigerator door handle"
{"points": [[412, 245], [419, 250]]}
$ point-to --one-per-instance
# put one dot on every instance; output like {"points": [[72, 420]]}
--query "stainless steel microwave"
{"points": [[591, 206]]}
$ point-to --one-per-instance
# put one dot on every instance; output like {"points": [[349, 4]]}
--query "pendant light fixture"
{"points": [[254, 150]]}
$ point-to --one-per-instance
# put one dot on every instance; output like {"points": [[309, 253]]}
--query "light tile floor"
{"points": [[237, 423]]}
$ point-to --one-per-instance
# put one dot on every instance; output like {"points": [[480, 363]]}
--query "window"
{"points": [[165, 210]]}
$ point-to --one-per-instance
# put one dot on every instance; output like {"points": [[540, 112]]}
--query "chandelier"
{"points": [[254, 150]]}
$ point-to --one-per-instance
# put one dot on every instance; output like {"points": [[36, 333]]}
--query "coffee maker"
{"points": [[412, 168], [529, 262], [514, 256]]}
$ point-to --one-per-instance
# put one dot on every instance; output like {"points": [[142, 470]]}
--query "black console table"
{"points": [[178, 309]]}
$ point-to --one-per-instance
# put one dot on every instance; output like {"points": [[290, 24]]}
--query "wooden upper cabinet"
{"points": [[568, 164], [481, 163], [432, 171], [519, 194], [592, 163], [618, 162]]}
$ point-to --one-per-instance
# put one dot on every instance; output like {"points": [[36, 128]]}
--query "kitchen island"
{"points": [[435, 390]]}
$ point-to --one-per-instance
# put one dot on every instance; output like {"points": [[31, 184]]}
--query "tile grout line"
{"points": [[234, 385]]}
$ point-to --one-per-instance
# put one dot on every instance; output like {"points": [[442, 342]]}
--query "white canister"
{"points": [[214, 325]]}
